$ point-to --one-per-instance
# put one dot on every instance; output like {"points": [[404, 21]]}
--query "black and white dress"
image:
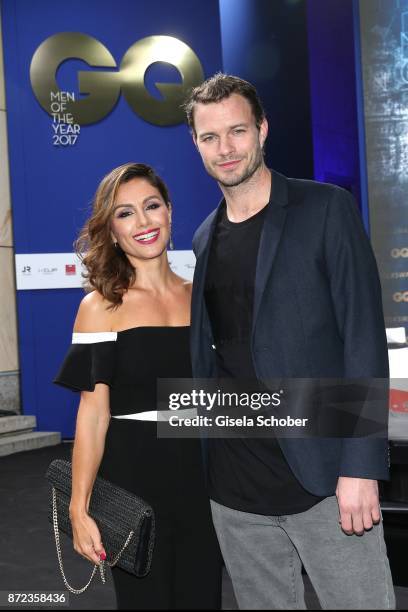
{"points": [[168, 473]]}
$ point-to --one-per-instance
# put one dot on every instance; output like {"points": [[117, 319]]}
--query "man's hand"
{"points": [[359, 504]]}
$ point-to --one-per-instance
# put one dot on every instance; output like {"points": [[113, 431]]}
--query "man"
{"points": [[286, 285]]}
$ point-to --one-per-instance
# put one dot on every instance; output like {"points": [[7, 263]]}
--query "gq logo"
{"points": [[400, 296], [104, 88], [399, 252]]}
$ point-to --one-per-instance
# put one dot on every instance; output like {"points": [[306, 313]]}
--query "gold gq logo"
{"points": [[400, 296], [399, 252], [104, 88]]}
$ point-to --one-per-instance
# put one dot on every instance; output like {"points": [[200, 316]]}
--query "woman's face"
{"points": [[140, 220]]}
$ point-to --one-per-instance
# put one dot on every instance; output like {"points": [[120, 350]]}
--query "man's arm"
{"points": [[355, 289], [356, 293]]}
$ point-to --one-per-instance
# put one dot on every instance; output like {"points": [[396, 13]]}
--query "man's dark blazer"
{"points": [[317, 314]]}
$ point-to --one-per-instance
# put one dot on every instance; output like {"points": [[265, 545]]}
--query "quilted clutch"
{"points": [[125, 521]]}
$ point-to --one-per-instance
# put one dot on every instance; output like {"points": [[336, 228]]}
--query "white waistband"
{"points": [[151, 415], [159, 415]]}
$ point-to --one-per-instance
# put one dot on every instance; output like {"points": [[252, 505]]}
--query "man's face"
{"points": [[228, 140]]}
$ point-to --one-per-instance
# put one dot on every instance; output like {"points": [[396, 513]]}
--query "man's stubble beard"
{"points": [[248, 173]]}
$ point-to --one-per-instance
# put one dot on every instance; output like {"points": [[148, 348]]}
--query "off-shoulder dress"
{"points": [[168, 473]]}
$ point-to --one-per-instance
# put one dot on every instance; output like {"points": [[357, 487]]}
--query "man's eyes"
{"points": [[236, 132]]}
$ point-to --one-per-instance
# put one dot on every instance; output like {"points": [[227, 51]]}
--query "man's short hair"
{"points": [[219, 87]]}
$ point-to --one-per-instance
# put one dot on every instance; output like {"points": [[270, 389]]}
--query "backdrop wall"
{"points": [[52, 186]]}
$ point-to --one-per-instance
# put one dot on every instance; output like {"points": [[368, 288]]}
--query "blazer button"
{"points": [[213, 346]]}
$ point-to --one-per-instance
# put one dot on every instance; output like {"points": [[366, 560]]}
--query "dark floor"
{"points": [[28, 560]]}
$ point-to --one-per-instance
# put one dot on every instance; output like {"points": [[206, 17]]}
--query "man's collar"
{"points": [[279, 191], [278, 194]]}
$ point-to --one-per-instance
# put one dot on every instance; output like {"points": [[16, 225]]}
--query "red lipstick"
{"points": [[147, 237]]}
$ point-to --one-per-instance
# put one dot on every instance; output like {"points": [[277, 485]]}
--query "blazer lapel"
{"points": [[270, 236], [200, 325]]}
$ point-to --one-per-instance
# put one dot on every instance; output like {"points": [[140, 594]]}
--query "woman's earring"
{"points": [[171, 243]]}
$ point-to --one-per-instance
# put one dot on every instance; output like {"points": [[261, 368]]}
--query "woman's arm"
{"points": [[91, 426]]}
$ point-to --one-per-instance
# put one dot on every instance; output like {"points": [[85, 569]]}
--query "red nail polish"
{"points": [[103, 556]]}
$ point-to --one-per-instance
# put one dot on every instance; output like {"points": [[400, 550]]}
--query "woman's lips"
{"points": [[147, 237]]}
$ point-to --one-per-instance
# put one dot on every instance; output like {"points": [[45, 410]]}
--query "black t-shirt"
{"points": [[247, 474]]}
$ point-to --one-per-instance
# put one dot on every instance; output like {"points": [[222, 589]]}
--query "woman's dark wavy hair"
{"points": [[108, 270]]}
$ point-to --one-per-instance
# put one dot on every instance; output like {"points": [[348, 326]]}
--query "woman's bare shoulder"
{"points": [[188, 284], [93, 314], [184, 282]]}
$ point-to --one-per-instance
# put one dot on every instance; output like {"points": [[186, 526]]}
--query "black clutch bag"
{"points": [[125, 521]]}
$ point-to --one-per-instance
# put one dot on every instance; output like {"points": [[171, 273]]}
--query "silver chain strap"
{"points": [[59, 554]]}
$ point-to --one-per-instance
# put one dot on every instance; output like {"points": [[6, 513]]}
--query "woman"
{"points": [[130, 330]]}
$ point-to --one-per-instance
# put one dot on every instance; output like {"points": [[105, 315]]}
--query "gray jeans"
{"points": [[264, 555]]}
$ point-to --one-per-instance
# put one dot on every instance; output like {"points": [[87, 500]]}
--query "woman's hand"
{"points": [[87, 539]]}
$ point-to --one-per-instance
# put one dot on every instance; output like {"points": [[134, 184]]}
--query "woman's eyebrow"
{"points": [[150, 197], [123, 206]]}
